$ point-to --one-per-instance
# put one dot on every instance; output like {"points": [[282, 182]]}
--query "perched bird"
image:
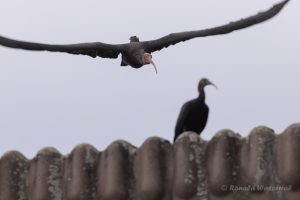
{"points": [[194, 113], [136, 53]]}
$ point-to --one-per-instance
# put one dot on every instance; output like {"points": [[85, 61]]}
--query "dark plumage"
{"points": [[194, 113], [136, 53]]}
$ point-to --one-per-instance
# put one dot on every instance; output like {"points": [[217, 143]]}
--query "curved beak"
{"points": [[151, 61], [211, 83]]}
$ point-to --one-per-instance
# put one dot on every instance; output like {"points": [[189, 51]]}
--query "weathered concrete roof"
{"points": [[226, 167]]}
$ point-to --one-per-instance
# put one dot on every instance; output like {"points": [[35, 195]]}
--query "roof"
{"points": [[262, 166]]}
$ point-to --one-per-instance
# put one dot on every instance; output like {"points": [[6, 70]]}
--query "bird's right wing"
{"points": [[91, 49], [174, 38]]}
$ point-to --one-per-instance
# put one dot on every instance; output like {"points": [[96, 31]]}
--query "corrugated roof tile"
{"points": [[226, 167]]}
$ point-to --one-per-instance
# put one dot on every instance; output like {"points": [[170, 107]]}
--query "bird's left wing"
{"points": [[174, 38], [91, 49], [179, 128]]}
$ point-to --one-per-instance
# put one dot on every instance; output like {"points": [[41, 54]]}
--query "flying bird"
{"points": [[194, 113], [137, 53]]}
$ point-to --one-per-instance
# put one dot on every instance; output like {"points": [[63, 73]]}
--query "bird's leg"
{"points": [[123, 64]]}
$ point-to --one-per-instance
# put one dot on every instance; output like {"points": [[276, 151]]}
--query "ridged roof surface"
{"points": [[263, 166]]}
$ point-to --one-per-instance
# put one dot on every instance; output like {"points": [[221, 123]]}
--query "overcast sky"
{"points": [[61, 100]]}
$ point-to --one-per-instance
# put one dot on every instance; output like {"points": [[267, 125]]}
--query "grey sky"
{"points": [[61, 100]]}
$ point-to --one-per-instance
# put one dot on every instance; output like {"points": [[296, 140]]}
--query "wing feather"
{"points": [[90, 49], [182, 117], [174, 38]]}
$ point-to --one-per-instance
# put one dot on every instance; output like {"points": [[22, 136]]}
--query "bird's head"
{"points": [[147, 59], [134, 39], [204, 82]]}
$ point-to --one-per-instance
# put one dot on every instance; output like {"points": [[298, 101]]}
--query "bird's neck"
{"points": [[201, 96]]}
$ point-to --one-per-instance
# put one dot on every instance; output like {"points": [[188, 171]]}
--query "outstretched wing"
{"points": [[174, 38], [90, 49]]}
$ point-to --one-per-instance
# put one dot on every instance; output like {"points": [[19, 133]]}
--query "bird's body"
{"points": [[194, 113], [197, 114], [134, 55], [137, 54]]}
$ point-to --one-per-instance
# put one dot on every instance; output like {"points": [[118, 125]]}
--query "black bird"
{"points": [[194, 113], [136, 53]]}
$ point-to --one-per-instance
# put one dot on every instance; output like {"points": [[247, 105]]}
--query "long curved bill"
{"points": [[214, 85], [154, 65], [211, 83]]}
